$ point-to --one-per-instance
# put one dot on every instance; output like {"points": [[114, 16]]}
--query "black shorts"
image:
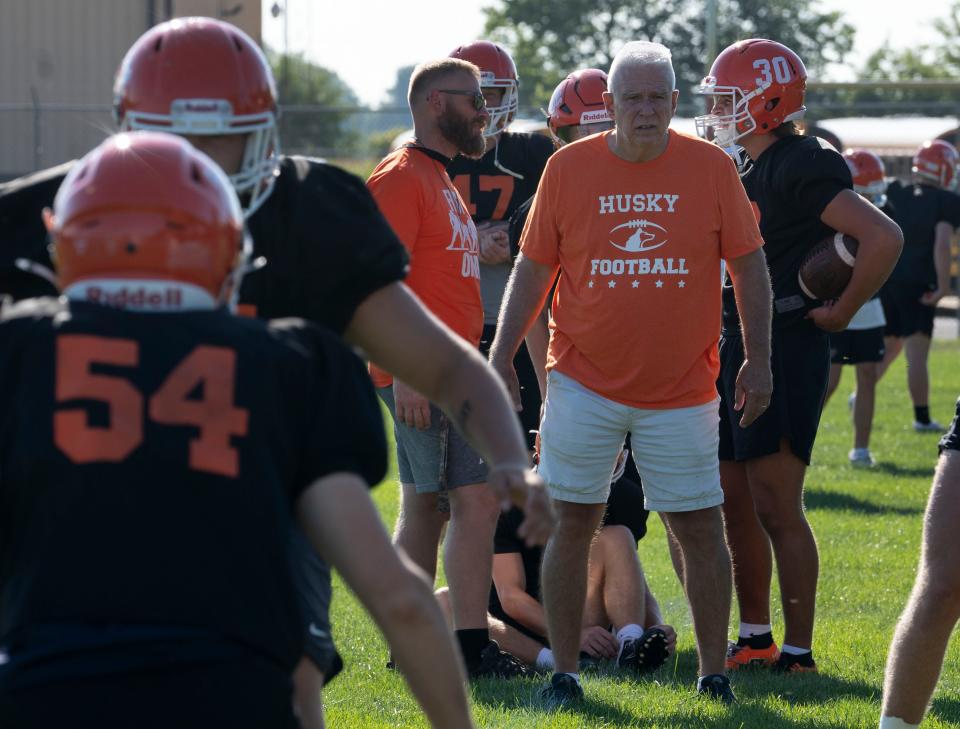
{"points": [[499, 613], [903, 311], [252, 693], [311, 578], [853, 346], [951, 439], [800, 360], [529, 386]]}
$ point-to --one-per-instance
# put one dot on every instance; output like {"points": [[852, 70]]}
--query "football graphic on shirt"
{"points": [[828, 266], [636, 236]]}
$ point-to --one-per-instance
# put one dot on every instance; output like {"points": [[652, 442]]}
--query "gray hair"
{"points": [[640, 53]]}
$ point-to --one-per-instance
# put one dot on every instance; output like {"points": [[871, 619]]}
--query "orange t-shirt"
{"points": [[636, 313], [415, 194]]}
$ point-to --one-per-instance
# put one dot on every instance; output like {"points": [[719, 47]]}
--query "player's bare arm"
{"points": [[400, 335], [339, 518], [941, 261], [880, 243], [522, 302], [538, 341], [751, 285]]}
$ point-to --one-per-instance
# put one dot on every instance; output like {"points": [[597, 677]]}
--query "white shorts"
{"points": [[675, 450]]}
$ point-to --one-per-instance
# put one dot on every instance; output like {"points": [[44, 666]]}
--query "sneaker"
{"points": [[745, 656], [932, 427], [495, 663], [563, 692], [793, 663], [716, 686], [861, 458], [643, 654]]}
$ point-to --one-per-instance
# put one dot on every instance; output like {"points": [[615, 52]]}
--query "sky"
{"points": [[366, 41]]}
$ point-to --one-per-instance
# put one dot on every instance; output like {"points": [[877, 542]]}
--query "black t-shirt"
{"points": [[327, 245], [624, 508], [488, 191], [919, 208], [148, 464], [517, 221], [791, 184]]}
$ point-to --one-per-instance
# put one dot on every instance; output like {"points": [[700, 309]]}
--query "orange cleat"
{"points": [[743, 656]]}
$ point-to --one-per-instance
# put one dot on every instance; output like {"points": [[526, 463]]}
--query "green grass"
{"points": [[868, 526]]}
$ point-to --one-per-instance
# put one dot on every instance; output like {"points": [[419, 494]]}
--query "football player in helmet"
{"points": [[802, 192], [333, 259], [100, 601], [493, 187], [861, 343], [929, 212]]}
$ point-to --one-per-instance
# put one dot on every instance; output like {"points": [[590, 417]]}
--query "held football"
{"points": [[827, 268]]}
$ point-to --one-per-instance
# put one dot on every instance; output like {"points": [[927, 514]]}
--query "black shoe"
{"points": [[495, 663], [646, 653], [563, 692], [793, 663], [716, 686]]}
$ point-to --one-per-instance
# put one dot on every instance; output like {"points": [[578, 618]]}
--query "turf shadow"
{"points": [[895, 469], [526, 695], [836, 501]]}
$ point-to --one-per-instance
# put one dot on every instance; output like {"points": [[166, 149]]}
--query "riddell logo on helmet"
{"points": [[137, 297], [593, 117]]}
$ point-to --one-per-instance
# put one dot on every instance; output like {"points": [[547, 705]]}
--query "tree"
{"points": [[397, 95], [549, 40], [321, 129]]}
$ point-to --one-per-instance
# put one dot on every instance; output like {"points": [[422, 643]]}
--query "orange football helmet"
{"points": [[578, 100], [869, 175], [204, 76], [755, 86], [936, 161], [497, 71], [145, 207]]}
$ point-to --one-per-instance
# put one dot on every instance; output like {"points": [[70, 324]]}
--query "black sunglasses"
{"points": [[478, 101]]}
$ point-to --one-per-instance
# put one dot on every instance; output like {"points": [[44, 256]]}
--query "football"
{"points": [[827, 267]]}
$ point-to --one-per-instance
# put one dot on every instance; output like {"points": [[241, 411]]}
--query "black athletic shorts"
{"points": [[853, 346], [529, 387], [903, 311], [800, 360], [311, 577], [951, 439], [251, 693]]}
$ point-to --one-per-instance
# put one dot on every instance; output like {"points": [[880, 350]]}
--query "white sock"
{"points": [[750, 629], [628, 632], [793, 650], [545, 660], [893, 722], [575, 677]]}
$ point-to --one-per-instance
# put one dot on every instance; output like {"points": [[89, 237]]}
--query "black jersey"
{"points": [[327, 245], [148, 463], [489, 192], [790, 184], [22, 233], [919, 208]]}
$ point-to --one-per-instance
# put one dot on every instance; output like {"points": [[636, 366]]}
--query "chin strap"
{"points": [[496, 161]]}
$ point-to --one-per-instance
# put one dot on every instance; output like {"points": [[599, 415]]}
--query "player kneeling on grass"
{"points": [[619, 602], [155, 450], [920, 641]]}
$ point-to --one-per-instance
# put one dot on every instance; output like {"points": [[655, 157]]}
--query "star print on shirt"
{"points": [[590, 285], [659, 284], [681, 284], [636, 284], [611, 284]]}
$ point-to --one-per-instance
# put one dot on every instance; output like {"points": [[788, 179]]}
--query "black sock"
{"points": [[921, 413], [472, 642], [803, 659], [764, 640]]}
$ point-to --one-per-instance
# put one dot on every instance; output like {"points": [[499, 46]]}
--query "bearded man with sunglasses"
{"points": [[425, 210]]}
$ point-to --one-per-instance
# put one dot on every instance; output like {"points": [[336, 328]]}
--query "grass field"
{"points": [[868, 526]]}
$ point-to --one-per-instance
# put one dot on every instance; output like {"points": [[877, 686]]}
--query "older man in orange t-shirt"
{"points": [[638, 220]]}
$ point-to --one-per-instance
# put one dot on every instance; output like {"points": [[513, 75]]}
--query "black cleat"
{"points": [[563, 692], [646, 653], [495, 663], [716, 686]]}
